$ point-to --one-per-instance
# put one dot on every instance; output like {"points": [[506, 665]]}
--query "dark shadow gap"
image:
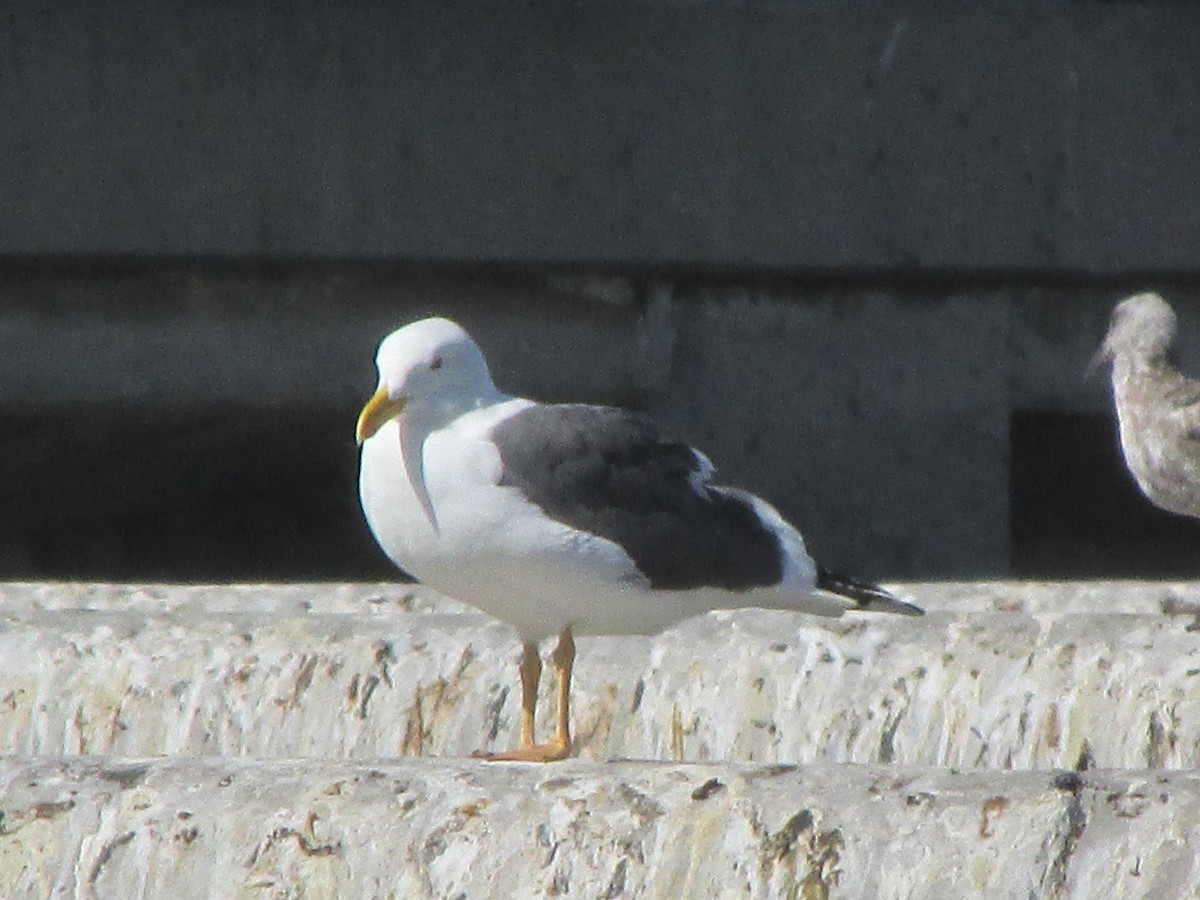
{"points": [[202, 495], [1077, 512]]}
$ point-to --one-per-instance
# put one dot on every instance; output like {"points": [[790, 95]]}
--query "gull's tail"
{"points": [[868, 596]]}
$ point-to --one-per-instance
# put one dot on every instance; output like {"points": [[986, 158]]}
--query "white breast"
{"points": [[490, 547]]}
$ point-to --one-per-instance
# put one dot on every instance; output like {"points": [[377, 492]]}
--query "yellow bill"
{"points": [[380, 410]]}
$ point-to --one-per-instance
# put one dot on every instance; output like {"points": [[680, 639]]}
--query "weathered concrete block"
{"points": [[422, 828], [264, 672]]}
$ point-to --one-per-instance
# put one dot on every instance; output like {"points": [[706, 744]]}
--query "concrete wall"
{"points": [[198, 424], [1029, 136], [860, 256]]}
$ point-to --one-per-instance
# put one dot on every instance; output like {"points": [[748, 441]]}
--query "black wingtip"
{"points": [[868, 596]]}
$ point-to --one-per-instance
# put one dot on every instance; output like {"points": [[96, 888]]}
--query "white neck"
{"points": [[426, 415]]}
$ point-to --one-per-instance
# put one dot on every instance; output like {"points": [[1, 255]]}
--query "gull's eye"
{"points": [[436, 364]]}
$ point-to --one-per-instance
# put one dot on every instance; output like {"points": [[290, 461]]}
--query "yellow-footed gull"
{"points": [[565, 518]]}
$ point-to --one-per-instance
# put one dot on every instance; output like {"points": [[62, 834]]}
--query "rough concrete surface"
{"points": [[92, 827], [377, 671], [310, 740]]}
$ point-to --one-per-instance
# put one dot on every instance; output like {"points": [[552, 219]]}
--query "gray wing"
{"points": [[613, 473]]}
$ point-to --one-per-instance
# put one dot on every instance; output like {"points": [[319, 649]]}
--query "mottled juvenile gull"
{"points": [[562, 518], [1158, 408]]}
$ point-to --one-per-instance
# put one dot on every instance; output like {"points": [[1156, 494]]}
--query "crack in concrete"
{"points": [[1074, 822], [106, 854], [306, 842]]}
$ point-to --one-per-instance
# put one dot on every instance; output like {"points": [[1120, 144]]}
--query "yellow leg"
{"points": [[531, 673], [564, 664], [560, 747]]}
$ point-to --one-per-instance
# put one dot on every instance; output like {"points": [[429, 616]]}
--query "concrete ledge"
{"points": [[238, 684], [264, 672], [158, 828], [1032, 598]]}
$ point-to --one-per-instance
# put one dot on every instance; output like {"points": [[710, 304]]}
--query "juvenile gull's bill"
{"points": [[565, 518], [1158, 408]]}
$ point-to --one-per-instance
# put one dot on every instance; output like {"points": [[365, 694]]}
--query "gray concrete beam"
{"points": [[1034, 137], [147, 408]]}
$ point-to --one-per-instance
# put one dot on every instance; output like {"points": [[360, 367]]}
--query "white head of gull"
{"points": [[563, 518], [430, 374]]}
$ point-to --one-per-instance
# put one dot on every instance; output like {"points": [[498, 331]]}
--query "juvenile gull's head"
{"points": [[1142, 327]]}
